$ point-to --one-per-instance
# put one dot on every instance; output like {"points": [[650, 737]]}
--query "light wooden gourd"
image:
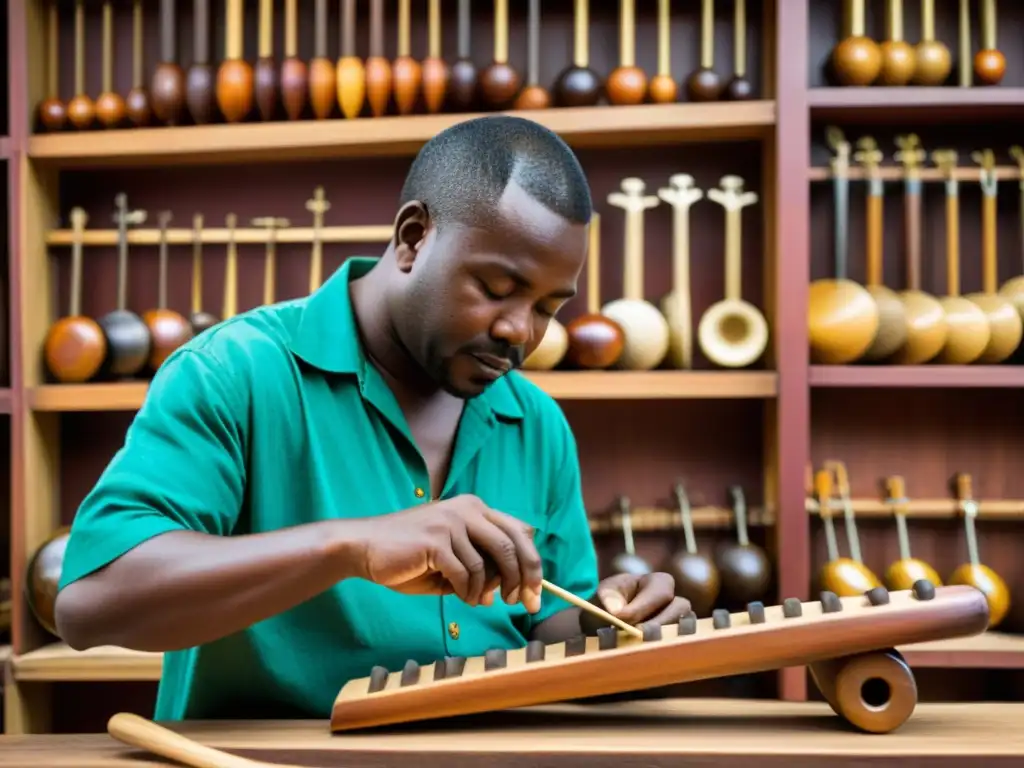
{"points": [[733, 332], [551, 350], [926, 321], [892, 315], [1004, 321], [842, 317], [903, 573], [843, 575], [1013, 289], [81, 110], [645, 329], [350, 74], [841, 484], [968, 332], [934, 60], [676, 306], [974, 573], [899, 59], [857, 59]]}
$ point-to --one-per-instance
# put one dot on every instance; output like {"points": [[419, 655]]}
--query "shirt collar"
{"points": [[327, 337]]}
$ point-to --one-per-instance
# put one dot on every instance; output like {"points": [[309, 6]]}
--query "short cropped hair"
{"points": [[462, 172]]}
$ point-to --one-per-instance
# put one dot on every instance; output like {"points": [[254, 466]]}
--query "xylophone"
{"points": [[848, 643]]}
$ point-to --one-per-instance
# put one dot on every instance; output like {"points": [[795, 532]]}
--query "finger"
{"points": [[615, 592], [491, 587], [473, 562], [530, 566], [499, 548], [671, 613], [656, 591], [444, 561]]}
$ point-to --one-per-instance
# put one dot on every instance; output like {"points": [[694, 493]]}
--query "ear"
{"points": [[411, 226]]}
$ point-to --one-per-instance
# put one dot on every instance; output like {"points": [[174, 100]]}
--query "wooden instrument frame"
{"points": [[828, 642]]}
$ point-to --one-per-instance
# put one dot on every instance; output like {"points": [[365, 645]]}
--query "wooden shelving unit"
{"points": [[918, 376], [583, 127], [574, 385], [638, 432]]}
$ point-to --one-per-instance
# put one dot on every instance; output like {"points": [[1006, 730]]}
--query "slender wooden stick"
{"points": [[582, 604]]}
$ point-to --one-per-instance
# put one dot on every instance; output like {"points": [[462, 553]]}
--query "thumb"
{"points": [[612, 600], [616, 591]]}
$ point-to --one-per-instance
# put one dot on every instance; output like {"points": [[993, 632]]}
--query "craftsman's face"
{"points": [[475, 302]]}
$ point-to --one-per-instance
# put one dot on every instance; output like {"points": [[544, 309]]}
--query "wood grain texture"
{"points": [[704, 650], [620, 735]]}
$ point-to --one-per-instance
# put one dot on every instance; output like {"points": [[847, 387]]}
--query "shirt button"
{"points": [[453, 630], [420, 493]]}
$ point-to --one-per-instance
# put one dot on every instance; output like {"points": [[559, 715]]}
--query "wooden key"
{"points": [[634, 202], [272, 224], [681, 194], [318, 205]]}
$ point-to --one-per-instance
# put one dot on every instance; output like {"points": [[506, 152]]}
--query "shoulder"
{"points": [[228, 360]]}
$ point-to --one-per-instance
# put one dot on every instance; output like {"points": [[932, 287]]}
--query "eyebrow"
{"points": [[520, 278]]}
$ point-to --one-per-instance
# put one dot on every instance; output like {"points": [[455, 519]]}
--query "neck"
{"points": [[382, 344]]}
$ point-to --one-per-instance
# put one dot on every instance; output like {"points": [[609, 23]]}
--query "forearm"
{"points": [[183, 589]]}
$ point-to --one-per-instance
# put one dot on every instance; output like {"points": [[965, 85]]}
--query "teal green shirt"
{"points": [[275, 418]]}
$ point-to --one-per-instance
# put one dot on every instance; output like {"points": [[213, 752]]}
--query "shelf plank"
{"points": [[5, 400], [392, 135], [5, 147], [563, 385], [945, 104], [58, 662], [990, 650], [928, 509], [5, 654], [920, 376], [656, 385]]}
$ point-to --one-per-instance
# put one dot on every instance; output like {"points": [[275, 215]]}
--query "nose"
{"points": [[515, 326]]}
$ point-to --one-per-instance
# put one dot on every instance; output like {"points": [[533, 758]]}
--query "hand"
{"points": [[637, 599], [458, 546]]}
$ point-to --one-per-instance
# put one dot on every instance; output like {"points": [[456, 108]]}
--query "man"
{"points": [[346, 479]]}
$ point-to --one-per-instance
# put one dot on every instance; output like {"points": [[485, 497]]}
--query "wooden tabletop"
{"points": [[645, 734]]}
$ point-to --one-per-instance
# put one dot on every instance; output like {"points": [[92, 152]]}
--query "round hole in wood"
{"points": [[875, 693]]}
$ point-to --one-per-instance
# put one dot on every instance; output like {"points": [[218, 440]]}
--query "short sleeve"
{"points": [[567, 546], [182, 466]]}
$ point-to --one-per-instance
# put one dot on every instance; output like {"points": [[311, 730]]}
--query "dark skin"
{"points": [[443, 315]]}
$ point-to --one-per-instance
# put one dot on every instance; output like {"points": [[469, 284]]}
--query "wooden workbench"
{"points": [[649, 734]]}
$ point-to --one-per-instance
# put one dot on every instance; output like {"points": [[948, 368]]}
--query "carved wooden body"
{"points": [[847, 641]]}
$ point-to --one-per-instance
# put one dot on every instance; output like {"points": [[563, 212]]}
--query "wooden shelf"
{"points": [[58, 662], [661, 520], [319, 139], [369, 233], [867, 105], [656, 385], [918, 376], [967, 173], [990, 650], [5, 400], [5, 147], [935, 509], [567, 385], [5, 653]]}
